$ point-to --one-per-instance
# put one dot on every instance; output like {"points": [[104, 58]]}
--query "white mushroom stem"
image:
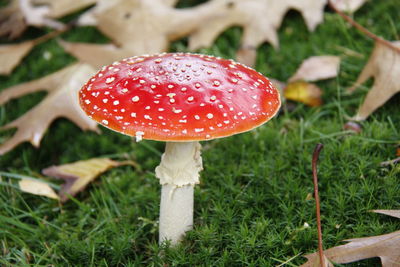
{"points": [[178, 173]]}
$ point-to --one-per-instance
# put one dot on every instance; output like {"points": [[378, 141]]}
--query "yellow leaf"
{"points": [[37, 188], [303, 92], [79, 174]]}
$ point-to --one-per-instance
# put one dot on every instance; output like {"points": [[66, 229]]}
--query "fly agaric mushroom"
{"points": [[182, 99]]}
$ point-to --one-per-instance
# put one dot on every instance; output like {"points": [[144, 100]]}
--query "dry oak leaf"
{"points": [[61, 101], [384, 66], [317, 68], [260, 20], [152, 25], [11, 55], [37, 188], [79, 174], [386, 247], [348, 5], [20, 14]]}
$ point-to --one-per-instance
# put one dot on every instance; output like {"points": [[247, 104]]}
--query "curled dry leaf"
{"points": [[259, 18], [37, 188], [303, 92], [61, 100], [11, 55], [386, 247], [384, 66], [317, 68], [348, 5], [79, 174]]}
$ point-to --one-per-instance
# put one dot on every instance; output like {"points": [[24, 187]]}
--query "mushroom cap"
{"points": [[179, 97]]}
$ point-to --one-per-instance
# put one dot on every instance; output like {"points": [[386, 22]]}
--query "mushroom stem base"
{"points": [[178, 173], [176, 212]]}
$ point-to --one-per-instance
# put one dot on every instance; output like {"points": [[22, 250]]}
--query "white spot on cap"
{"points": [[216, 83], [105, 100], [152, 86], [197, 85], [133, 115], [110, 79], [190, 98], [116, 102], [184, 131], [125, 90], [105, 122], [176, 110], [183, 89], [197, 117], [139, 136], [210, 116], [142, 81], [135, 99], [170, 86], [213, 98], [198, 130], [87, 101]]}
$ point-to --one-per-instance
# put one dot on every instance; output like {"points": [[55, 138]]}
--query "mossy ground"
{"points": [[251, 206]]}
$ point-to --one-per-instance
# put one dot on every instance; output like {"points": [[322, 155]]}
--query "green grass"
{"points": [[251, 205]]}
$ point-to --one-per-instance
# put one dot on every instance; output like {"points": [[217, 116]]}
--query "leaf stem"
{"points": [[363, 29], [317, 150]]}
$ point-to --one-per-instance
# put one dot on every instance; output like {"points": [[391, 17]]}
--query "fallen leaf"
{"points": [[317, 68], [37, 188], [79, 174], [60, 8], [386, 247], [94, 54], [20, 14], [11, 55], [260, 20], [61, 101], [384, 66], [348, 5], [153, 24], [303, 92], [12, 22]]}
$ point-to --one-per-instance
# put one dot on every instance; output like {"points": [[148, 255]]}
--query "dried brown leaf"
{"points": [[152, 25], [11, 55], [12, 21], [317, 68], [79, 174], [19, 14], [386, 247], [60, 8], [94, 54], [303, 92], [384, 66], [61, 101], [348, 5], [37, 188], [259, 18]]}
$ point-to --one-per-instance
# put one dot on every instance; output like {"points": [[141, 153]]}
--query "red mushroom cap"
{"points": [[179, 97]]}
